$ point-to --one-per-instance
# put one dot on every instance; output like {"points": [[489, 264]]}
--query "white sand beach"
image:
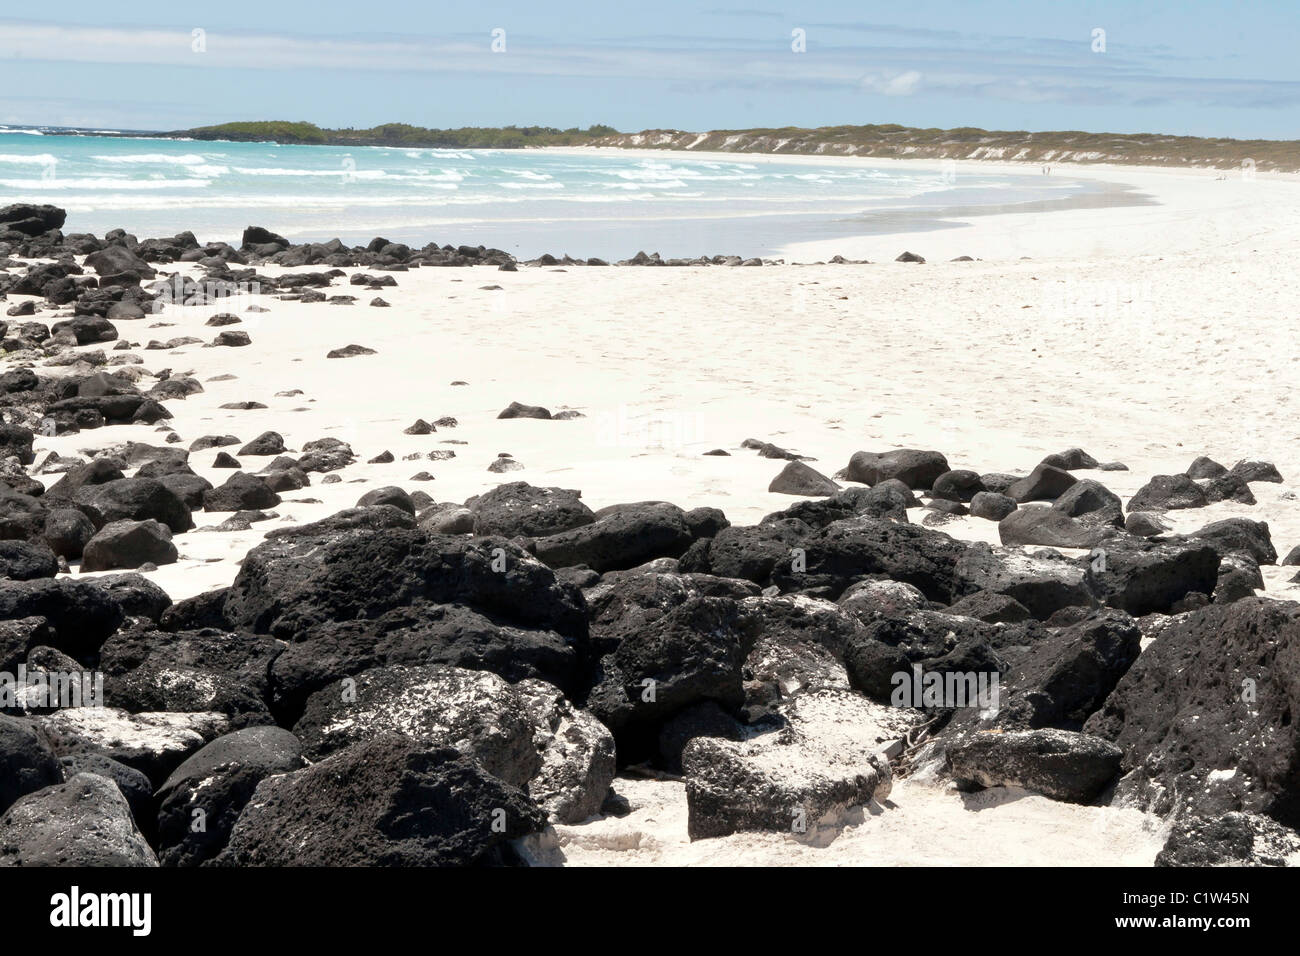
{"points": [[1144, 334]]}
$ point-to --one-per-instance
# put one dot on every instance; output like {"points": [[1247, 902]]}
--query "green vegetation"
{"points": [[900, 142], [401, 134], [887, 140]]}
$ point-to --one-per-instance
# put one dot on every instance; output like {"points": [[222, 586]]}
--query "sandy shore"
{"points": [[1149, 335]]}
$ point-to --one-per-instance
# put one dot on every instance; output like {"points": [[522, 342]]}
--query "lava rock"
{"points": [[619, 541], [83, 822], [1168, 493], [1060, 764], [215, 784], [518, 508], [265, 444], [517, 410], [27, 561], [797, 478], [27, 762], [992, 506], [389, 801], [958, 485], [1231, 666], [388, 495], [129, 544], [1044, 483], [240, 492], [915, 468], [799, 778]]}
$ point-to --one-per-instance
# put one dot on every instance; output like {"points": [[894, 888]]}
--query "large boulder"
{"points": [[1168, 493], [957, 485], [824, 761], [474, 711], [189, 488], [1049, 527], [116, 259], [83, 822], [240, 492], [212, 788], [1064, 678], [1141, 577], [1205, 467], [22, 517], [16, 441], [450, 634], [518, 508], [135, 594], [992, 506], [67, 530], [153, 743], [189, 671], [693, 653], [1228, 488], [1072, 459], [519, 410], [1044, 581], [913, 467], [1060, 764], [800, 647], [388, 801], [797, 478], [1239, 535], [388, 495], [1205, 716], [26, 561], [134, 785], [622, 604], [32, 219], [27, 762], [86, 329], [264, 445], [620, 540], [848, 551], [1233, 839], [352, 567], [889, 499], [750, 552], [255, 236], [1092, 503], [1256, 471], [129, 544], [576, 751], [1044, 483], [98, 471], [882, 660], [80, 614], [137, 499]]}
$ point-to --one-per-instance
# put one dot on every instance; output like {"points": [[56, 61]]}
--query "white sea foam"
{"points": [[33, 159], [143, 185], [153, 159]]}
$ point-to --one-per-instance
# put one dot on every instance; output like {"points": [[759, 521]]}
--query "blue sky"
{"points": [[1201, 68]]}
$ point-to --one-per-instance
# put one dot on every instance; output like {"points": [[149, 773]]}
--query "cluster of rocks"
{"points": [[654, 259], [416, 683]]}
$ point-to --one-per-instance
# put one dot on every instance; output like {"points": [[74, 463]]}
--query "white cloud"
{"points": [[904, 84]]}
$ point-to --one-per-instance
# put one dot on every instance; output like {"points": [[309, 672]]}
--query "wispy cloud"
{"points": [[943, 63]]}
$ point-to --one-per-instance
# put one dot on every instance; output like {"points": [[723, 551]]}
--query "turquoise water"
{"points": [[606, 204]]}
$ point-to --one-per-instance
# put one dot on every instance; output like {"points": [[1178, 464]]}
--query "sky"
{"points": [[1219, 68]]}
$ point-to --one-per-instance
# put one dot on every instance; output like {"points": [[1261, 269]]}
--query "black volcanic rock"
{"points": [[389, 801]]}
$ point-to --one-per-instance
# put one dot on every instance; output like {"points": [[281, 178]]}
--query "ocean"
{"points": [[583, 203]]}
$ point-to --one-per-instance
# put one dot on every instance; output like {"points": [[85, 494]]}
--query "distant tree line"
{"points": [[401, 134]]}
